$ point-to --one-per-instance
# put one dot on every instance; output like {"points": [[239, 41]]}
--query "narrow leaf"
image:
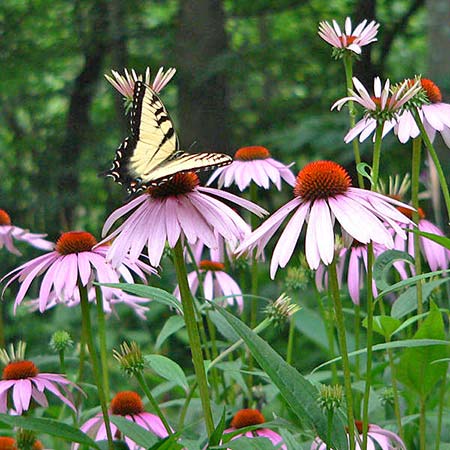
{"points": [[442, 240], [141, 436], [172, 325], [383, 265], [216, 436], [168, 443], [167, 369], [246, 443], [298, 392]]}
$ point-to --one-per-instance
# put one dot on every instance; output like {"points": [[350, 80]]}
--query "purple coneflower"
{"points": [[362, 35], [248, 417], [323, 194], [127, 404], [125, 83], [76, 259], [253, 164], [179, 208], [381, 107], [435, 116], [216, 283], [23, 381], [8, 232], [377, 437]]}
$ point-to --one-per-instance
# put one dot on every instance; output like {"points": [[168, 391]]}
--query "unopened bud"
{"points": [[130, 358], [60, 340]]}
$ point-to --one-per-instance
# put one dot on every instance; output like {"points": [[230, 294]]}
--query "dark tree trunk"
{"points": [[78, 122], [203, 103]]}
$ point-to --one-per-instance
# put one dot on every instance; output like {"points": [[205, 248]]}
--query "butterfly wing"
{"points": [[150, 155]]}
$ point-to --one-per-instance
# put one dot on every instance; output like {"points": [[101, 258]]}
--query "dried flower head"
{"points": [[130, 358], [330, 397]]}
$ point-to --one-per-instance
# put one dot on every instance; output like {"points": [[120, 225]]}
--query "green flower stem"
{"points": [[435, 159], [415, 173], [369, 344], [377, 155], [339, 316], [62, 362], [329, 427], [101, 323], [348, 66], [442, 397], [86, 319], [186, 404], [193, 334], [290, 345], [357, 371], [141, 380]]}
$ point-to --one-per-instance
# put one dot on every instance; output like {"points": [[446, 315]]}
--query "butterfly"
{"points": [[150, 155]]}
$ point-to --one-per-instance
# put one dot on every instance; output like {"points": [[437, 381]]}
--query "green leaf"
{"points": [[246, 443], [140, 435], [118, 445], [167, 369], [384, 325], [168, 443], [298, 392], [152, 293], [442, 240], [172, 325], [216, 436], [49, 426], [414, 368], [407, 301], [383, 265]]}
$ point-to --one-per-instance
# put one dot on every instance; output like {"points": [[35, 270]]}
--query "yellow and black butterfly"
{"points": [[151, 156]]}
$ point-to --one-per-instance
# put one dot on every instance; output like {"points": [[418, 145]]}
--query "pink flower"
{"points": [[76, 258], [216, 283], [384, 106], [22, 379], [179, 208], [435, 116], [125, 83], [362, 35], [8, 232], [377, 436], [127, 404], [436, 256], [323, 195], [253, 164], [248, 417]]}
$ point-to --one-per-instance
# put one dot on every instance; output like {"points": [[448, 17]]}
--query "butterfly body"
{"points": [[151, 155]]}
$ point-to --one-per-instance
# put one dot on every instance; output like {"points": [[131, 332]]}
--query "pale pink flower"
{"points": [[216, 283], [435, 116], [179, 208], [381, 107], [76, 258], [127, 404], [248, 417], [362, 35], [253, 164], [377, 437], [323, 195], [22, 382], [125, 83], [8, 232]]}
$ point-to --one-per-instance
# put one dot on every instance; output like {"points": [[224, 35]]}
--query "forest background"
{"points": [[248, 73]]}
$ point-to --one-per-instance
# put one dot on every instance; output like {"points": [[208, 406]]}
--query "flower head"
{"points": [[127, 404], [216, 283], [179, 208], [8, 232], [381, 107], [8, 443], [349, 40], [434, 114], [324, 195], [76, 259], [125, 83], [249, 417], [23, 381], [253, 164], [376, 437]]}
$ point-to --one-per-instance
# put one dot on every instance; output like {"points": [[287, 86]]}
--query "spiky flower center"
{"points": [[75, 242], [347, 40], [127, 403], [409, 212], [38, 445], [432, 91], [7, 443], [180, 183], [19, 370], [251, 153], [4, 218], [246, 418], [211, 265], [321, 180]]}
